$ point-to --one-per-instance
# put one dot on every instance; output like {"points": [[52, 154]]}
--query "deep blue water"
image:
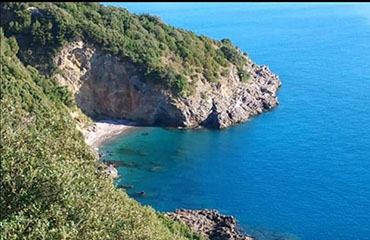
{"points": [[302, 169]]}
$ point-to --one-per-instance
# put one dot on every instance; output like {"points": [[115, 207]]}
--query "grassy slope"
{"points": [[50, 186]]}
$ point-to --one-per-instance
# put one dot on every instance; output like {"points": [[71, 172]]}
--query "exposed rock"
{"points": [[35, 11], [111, 171], [105, 85], [210, 223]]}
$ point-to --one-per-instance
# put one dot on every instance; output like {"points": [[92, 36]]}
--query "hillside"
{"points": [[50, 187]]}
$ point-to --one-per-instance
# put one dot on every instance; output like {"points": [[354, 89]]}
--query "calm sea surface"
{"points": [[301, 171]]}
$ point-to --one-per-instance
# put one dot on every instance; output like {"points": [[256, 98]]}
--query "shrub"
{"points": [[243, 76]]}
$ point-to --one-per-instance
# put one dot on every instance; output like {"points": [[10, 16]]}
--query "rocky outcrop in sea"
{"points": [[210, 223], [112, 87], [111, 171]]}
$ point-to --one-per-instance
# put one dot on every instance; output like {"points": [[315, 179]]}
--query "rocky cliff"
{"points": [[210, 223], [108, 86]]}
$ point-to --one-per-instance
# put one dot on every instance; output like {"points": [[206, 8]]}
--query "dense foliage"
{"points": [[171, 56], [50, 184]]}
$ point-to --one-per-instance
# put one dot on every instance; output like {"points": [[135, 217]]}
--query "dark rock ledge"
{"points": [[210, 223]]}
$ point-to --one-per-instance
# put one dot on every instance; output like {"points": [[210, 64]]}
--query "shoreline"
{"points": [[210, 223], [213, 224], [104, 130]]}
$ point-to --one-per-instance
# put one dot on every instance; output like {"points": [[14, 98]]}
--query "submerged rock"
{"points": [[126, 186], [117, 163], [210, 223], [155, 169], [129, 151], [139, 194]]}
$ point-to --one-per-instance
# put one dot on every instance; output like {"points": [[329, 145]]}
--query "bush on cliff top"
{"points": [[173, 55], [50, 185]]}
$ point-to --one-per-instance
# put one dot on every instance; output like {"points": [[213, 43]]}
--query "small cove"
{"points": [[300, 171]]}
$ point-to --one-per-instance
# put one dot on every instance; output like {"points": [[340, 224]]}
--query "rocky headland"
{"points": [[112, 87], [210, 223]]}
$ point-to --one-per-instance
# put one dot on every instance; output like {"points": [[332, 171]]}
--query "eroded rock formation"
{"points": [[210, 223], [108, 86]]}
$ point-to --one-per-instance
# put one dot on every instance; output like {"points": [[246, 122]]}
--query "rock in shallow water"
{"points": [[210, 223], [111, 171], [118, 163], [126, 186]]}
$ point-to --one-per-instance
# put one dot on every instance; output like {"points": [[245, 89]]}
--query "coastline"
{"points": [[207, 222], [104, 130]]}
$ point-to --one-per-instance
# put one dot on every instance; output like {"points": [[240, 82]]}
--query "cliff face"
{"points": [[108, 86], [210, 223]]}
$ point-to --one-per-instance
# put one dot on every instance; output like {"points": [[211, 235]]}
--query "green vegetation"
{"points": [[169, 56], [51, 187]]}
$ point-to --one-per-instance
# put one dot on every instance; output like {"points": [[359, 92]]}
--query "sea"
{"points": [[300, 171]]}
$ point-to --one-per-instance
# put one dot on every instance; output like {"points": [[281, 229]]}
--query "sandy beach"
{"points": [[104, 130]]}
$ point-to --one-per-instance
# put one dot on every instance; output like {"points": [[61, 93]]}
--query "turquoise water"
{"points": [[299, 171]]}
